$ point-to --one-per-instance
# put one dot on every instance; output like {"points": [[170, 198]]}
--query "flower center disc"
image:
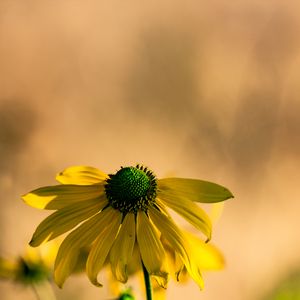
{"points": [[131, 189]]}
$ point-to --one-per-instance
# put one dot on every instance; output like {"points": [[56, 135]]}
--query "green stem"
{"points": [[36, 293], [147, 283], [43, 291]]}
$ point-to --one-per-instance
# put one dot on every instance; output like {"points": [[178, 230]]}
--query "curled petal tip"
{"points": [[230, 195], [60, 284], [58, 175], [96, 283], [123, 280], [207, 240], [32, 243], [161, 278], [208, 237]]}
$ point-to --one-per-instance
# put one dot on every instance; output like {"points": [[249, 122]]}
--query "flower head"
{"points": [[33, 267], [115, 214]]}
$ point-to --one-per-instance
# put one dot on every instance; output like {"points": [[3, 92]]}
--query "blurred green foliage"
{"points": [[288, 289]]}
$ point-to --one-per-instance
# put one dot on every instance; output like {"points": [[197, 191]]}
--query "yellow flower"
{"points": [[34, 267], [114, 213]]}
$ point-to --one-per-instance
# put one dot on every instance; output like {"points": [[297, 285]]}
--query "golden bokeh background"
{"points": [[200, 89]]}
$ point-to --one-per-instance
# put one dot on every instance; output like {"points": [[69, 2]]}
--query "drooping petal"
{"points": [[135, 262], [175, 263], [152, 252], [65, 219], [81, 175], [178, 242], [159, 293], [59, 196], [190, 211], [180, 268], [81, 237], [102, 245], [122, 249], [193, 190]]}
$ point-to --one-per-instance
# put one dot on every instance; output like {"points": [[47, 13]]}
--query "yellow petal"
{"points": [[175, 263], [102, 245], [194, 190], [48, 252], [8, 268], [122, 249], [208, 256], [178, 242], [135, 264], [32, 255], [81, 237], [216, 212], [180, 270], [188, 210], [65, 219], [81, 175], [152, 252], [59, 196], [159, 293]]}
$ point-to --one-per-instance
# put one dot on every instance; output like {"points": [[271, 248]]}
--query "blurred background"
{"points": [[199, 89]]}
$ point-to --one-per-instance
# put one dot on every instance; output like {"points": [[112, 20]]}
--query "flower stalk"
{"points": [[43, 291], [148, 285]]}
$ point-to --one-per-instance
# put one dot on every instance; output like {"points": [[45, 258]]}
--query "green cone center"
{"points": [[131, 189], [29, 272]]}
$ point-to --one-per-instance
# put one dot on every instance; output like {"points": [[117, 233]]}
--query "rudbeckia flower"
{"points": [[113, 214], [33, 269], [34, 266]]}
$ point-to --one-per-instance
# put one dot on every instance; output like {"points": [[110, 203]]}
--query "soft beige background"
{"points": [[194, 88]]}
